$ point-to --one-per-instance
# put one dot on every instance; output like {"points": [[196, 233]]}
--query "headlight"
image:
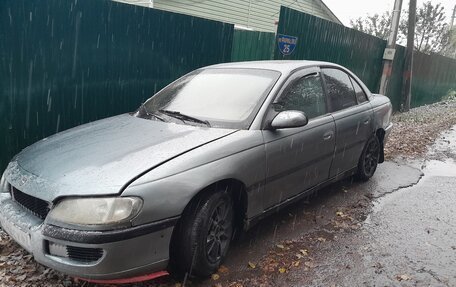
{"points": [[99, 213], [3, 184]]}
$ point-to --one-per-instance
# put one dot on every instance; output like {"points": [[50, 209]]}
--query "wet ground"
{"points": [[398, 229]]}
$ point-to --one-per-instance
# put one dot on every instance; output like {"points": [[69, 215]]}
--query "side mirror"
{"points": [[289, 119]]}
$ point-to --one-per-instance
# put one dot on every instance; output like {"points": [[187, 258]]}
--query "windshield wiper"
{"points": [[149, 114], [184, 117]]}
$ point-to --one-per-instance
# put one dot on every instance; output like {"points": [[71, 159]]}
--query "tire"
{"points": [[204, 235], [368, 161]]}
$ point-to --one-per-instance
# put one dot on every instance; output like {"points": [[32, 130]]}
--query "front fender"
{"points": [[168, 189]]}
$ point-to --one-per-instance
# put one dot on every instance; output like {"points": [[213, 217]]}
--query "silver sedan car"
{"points": [[126, 198]]}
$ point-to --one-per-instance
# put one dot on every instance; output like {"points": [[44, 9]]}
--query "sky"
{"points": [[351, 9]]}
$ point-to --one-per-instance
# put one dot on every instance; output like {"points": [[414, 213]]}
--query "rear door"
{"points": [[299, 158], [352, 115]]}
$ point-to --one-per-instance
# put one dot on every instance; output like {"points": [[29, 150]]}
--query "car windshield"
{"points": [[226, 98]]}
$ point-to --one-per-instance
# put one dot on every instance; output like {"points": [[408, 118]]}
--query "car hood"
{"points": [[102, 157]]}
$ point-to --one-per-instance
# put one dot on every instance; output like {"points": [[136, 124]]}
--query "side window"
{"points": [[339, 88], [360, 95], [306, 95]]}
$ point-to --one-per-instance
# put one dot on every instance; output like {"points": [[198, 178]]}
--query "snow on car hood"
{"points": [[101, 157]]}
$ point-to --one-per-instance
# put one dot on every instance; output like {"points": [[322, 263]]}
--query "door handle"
{"points": [[328, 135], [366, 121]]}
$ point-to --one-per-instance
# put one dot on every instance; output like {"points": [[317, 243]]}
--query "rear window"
{"points": [[339, 89], [360, 95]]}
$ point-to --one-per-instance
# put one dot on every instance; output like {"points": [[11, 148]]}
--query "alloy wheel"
{"points": [[218, 236]]}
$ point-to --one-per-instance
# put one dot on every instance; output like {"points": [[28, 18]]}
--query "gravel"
{"points": [[412, 133]]}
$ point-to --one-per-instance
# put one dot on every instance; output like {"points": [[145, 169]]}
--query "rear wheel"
{"points": [[204, 235], [369, 159]]}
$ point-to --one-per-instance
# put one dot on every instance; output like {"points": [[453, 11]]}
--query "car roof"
{"points": [[283, 66]]}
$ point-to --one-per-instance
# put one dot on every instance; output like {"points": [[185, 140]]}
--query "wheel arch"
{"points": [[238, 192]]}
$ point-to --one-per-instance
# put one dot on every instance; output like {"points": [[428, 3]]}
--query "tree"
{"points": [[431, 30], [376, 25]]}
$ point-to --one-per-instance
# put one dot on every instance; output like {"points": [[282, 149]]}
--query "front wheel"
{"points": [[204, 235], [369, 159]]}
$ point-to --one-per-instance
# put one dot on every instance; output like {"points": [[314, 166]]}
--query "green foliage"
{"points": [[431, 30], [450, 97], [376, 25]]}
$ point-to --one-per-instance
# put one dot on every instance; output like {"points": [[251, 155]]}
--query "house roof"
{"points": [[326, 8]]}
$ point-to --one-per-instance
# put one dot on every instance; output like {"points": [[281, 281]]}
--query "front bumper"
{"points": [[121, 254]]}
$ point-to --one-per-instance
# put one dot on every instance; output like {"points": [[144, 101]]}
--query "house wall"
{"points": [[259, 15]]}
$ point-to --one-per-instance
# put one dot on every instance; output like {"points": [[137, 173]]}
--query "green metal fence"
{"points": [[394, 87], [252, 45], [433, 76], [65, 62], [68, 62], [319, 39], [323, 40]]}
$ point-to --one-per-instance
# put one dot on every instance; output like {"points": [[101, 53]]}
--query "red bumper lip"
{"points": [[128, 280]]}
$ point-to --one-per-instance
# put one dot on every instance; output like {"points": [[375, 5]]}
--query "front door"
{"points": [[299, 158]]}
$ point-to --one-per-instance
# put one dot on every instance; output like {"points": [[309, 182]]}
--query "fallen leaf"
{"points": [[282, 270], [296, 263], [269, 268], [215, 276], [304, 252], [21, 278], [280, 246], [252, 265], [223, 269], [321, 239], [403, 277], [339, 213], [309, 264]]}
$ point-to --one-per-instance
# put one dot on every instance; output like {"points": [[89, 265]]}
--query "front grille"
{"points": [[82, 254], [35, 205]]}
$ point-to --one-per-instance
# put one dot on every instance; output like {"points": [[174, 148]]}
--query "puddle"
{"points": [[441, 156], [440, 162], [440, 168]]}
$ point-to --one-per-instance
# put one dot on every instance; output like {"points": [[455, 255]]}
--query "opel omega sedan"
{"points": [[131, 196]]}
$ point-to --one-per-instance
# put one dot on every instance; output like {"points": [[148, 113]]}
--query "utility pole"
{"points": [[407, 96], [453, 34], [388, 55], [452, 18]]}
